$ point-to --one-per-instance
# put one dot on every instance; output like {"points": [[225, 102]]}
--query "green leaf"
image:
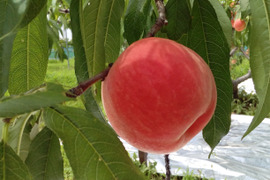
{"points": [[29, 56], [179, 18], [81, 70], [34, 8], [245, 8], [19, 136], [259, 59], [206, 38], [45, 160], [113, 31], [223, 19], [93, 149], [100, 25], [135, 19], [11, 166], [11, 14], [16, 105]]}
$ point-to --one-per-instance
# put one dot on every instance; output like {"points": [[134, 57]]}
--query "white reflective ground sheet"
{"points": [[248, 159]]}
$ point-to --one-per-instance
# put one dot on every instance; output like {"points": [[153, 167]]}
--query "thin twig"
{"points": [[167, 166], [245, 54], [83, 86], [233, 51], [161, 21]]}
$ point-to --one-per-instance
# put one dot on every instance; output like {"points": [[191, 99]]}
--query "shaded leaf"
{"points": [[179, 18], [80, 58], [92, 147], [135, 19], [207, 40], [5, 55], [19, 136], [11, 166], [260, 59], [81, 69], [29, 56], [245, 8], [11, 14], [15, 105], [224, 20], [45, 160], [34, 8]]}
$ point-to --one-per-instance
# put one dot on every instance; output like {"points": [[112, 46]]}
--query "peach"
{"points": [[239, 25], [158, 95]]}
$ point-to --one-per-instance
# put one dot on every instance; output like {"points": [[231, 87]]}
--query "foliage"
{"points": [[58, 24], [239, 66], [151, 172], [189, 175], [35, 114], [59, 72], [148, 170], [245, 103], [68, 174]]}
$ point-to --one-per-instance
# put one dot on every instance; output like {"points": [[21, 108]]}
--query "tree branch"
{"points": [[237, 81], [83, 86], [167, 166], [161, 21], [242, 78]]}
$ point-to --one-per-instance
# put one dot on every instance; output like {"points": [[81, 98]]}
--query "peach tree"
{"points": [[35, 122]]}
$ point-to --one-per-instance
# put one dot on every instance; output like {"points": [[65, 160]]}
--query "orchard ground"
{"points": [[232, 158]]}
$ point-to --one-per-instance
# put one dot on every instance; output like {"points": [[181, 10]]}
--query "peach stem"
{"points": [[83, 86]]}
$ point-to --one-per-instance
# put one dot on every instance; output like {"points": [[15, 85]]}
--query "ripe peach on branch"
{"points": [[158, 95]]}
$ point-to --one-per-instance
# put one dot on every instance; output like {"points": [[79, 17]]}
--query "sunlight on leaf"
{"points": [[16, 105], [29, 56]]}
